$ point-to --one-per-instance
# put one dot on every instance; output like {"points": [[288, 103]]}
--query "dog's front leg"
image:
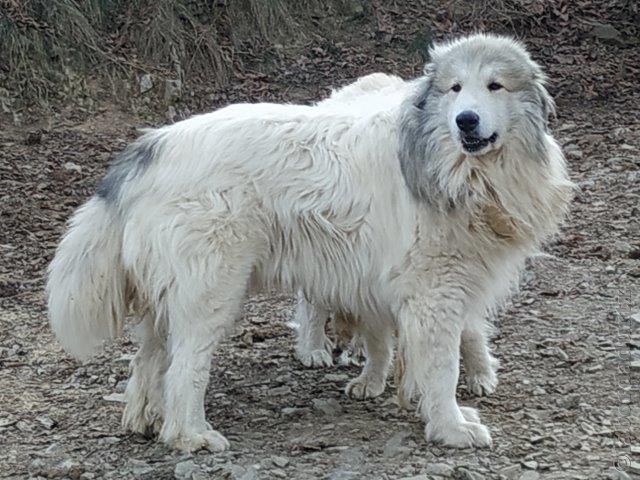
{"points": [[429, 331]]}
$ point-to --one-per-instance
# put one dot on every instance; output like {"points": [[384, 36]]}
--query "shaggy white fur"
{"points": [[313, 348], [395, 214]]}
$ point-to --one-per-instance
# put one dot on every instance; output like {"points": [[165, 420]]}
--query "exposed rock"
{"points": [[393, 447], [607, 33], [185, 470], [511, 472], [279, 461], [72, 167], [145, 82], [172, 90], [328, 406]]}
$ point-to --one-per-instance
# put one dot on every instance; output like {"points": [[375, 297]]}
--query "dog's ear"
{"points": [[546, 103], [416, 150]]}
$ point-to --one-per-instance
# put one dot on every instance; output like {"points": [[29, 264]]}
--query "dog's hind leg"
{"points": [[198, 320], [313, 347], [204, 269], [377, 338], [479, 364], [144, 392], [201, 310]]}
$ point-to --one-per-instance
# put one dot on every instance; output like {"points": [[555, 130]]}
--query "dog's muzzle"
{"points": [[475, 144]]}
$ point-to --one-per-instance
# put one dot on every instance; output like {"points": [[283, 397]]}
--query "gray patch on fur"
{"points": [[127, 165], [534, 124], [417, 126]]}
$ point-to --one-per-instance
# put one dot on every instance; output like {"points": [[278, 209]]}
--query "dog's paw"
{"points": [[364, 387], [315, 358], [460, 435], [483, 382], [209, 439], [350, 357], [141, 419]]}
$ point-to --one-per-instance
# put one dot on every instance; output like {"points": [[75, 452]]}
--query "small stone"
{"points": [[617, 474], [70, 166], [62, 469], [336, 377], [636, 318], [328, 406], [465, 474], [537, 439], [114, 397], [610, 269], [279, 473], [635, 449], [172, 90], [607, 33], [33, 138], [185, 470], [634, 467], [280, 461], [511, 472], [290, 411], [577, 153], [529, 475], [139, 467], [171, 113], [126, 358], [279, 391], [394, 448], [46, 422], [417, 477], [539, 391], [441, 469], [635, 366], [531, 465], [146, 83]]}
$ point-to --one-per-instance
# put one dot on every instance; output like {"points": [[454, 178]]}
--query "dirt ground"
{"points": [[567, 406]]}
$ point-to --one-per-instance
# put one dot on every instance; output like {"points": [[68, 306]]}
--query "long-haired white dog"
{"points": [[314, 348], [413, 215]]}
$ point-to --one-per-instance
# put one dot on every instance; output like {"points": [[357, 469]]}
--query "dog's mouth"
{"points": [[474, 144]]}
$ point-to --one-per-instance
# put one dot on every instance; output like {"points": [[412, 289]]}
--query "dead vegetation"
{"points": [[51, 49]]}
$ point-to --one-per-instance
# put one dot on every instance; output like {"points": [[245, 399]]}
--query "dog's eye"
{"points": [[493, 86], [456, 88]]}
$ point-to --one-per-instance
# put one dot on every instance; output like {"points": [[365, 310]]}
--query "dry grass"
{"points": [[50, 47]]}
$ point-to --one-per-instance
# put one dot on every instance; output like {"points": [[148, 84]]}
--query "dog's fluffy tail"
{"points": [[86, 286]]}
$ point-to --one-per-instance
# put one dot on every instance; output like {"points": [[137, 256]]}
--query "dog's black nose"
{"points": [[467, 121]]}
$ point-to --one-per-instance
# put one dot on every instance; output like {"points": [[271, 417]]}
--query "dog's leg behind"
{"points": [[479, 364], [313, 347], [429, 330], [209, 260], [144, 393], [377, 337], [198, 320]]}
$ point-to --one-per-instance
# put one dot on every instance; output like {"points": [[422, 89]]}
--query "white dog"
{"points": [[314, 349], [415, 216]]}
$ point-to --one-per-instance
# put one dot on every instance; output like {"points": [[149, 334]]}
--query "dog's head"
{"points": [[478, 94]]}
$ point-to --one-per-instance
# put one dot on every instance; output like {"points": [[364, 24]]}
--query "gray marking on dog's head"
{"points": [[416, 130], [127, 165], [458, 78]]}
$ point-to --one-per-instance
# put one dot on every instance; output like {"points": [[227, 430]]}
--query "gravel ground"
{"points": [[567, 406]]}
